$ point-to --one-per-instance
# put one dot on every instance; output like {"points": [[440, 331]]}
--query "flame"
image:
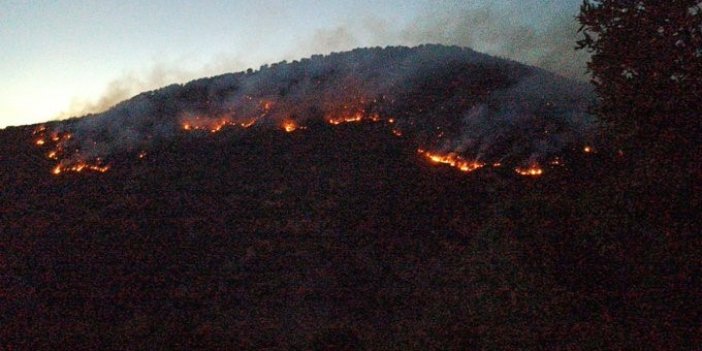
{"points": [[588, 149], [532, 171], [452, 159], [248, 123], [356, 117], [79, 167], [212, 125], [71, 161], [289, 125]]}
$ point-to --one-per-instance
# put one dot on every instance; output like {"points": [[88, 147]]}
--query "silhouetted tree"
{"points": [[646, 66]]}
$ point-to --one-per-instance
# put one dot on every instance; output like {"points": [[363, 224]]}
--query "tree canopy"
{"points": [[646, 66]]}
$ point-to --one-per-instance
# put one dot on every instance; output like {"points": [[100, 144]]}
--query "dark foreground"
{"points": [[342, 238]]}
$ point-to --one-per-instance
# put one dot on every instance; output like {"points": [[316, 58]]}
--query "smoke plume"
{"points": [[444, 98]]}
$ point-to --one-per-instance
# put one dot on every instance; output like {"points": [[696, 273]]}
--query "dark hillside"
{"points": [[344, 236], [326, 237]]}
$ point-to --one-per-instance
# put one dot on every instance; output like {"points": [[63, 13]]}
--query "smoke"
{"points": [[159, 75], [549, 44], [444, 98], [547, 40]]}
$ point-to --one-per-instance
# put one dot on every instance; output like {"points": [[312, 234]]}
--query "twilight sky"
{"points": [[60, 58]]}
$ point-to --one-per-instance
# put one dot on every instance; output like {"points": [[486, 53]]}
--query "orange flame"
{"points": [[248, 123], [289, 125], [532, 171], [357, 117], [212, 125], [79, 167], [452, 159]]}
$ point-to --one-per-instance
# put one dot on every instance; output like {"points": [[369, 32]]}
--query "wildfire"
{"points": [[532, 171], [289, 125], [248, 123], [452, 159], [59, 142], [80, 167], [212, 125], [588, 149], [70, 160], [357, 117]]}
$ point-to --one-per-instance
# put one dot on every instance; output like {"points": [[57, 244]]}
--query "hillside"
{"points": [[334, 236]]}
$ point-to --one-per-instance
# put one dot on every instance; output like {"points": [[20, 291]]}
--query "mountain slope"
{"points": [[335, 236]]}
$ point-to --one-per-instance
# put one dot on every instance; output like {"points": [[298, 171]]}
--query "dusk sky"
{"points": [[62, 58]]}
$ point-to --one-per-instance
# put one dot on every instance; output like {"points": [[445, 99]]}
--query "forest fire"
{"points": [[212, 125], [80, 167], [452, 159], [532, 171], [60, 141], [289, 125], [359, 116], [247, 124]]}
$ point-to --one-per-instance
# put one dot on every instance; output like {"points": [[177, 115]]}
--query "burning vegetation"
{"points": [[75, 163], [452, 159], [59, 144], [438, 98]]}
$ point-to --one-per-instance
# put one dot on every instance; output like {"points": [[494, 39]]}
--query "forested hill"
{"points": [[335, 231]]}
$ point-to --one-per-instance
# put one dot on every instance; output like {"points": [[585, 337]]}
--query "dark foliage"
{"points": [[335, 237], [343, 238], [647, 70]]}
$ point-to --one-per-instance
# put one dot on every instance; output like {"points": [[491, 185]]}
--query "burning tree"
{"points": [[647, 70]]}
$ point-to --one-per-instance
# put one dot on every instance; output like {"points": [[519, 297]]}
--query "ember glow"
{"points": [[70, 163], [452, 159], [358, 116], [532, 171], [289, 125], [212, 125], [80, 167]]}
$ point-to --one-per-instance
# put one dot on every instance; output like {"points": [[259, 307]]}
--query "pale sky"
{"points": [[64, 57]]}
